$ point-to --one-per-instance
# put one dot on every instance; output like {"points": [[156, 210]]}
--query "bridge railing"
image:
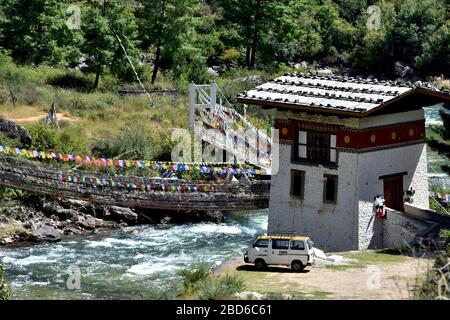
{"points": [[26, 169]]}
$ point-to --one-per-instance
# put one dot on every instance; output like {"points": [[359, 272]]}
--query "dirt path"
{"points": [[59, 117], [387, 280]]}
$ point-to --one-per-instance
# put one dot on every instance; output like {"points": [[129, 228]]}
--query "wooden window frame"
{"points": [[325, 181], [301, 174], [308, 160]]}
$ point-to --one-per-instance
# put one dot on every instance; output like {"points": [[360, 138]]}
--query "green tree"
{"points": [[351, 10], [253, 20], [412, 31], [373, 49], [36, 32], [435, 57], [103, 25], [162, 24], [415, 23]]}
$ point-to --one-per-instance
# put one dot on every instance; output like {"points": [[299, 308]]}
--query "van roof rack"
{"points": [[283, 234]]}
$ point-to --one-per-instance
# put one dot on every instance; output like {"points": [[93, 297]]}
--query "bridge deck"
{"points": [[42, 179]]}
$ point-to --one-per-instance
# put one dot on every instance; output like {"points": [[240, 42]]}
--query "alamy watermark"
{"points": [[373, 281], [73, 281], [374, 20], [73, 22], [227, 146]]}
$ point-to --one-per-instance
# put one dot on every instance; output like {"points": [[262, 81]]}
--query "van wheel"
{"points": [[297, 266], [260, 264]]}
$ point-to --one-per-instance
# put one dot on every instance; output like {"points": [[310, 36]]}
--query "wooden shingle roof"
{"points": [[334, 94]]}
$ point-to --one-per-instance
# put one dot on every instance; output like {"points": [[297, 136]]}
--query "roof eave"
{"points": [[441, 96], [299, 107]]}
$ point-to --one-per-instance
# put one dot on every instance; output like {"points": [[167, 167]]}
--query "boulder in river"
{"points": [[45, 233], [71, 231], [123, 214], [88, 223], [215, 216], [63, 214]]}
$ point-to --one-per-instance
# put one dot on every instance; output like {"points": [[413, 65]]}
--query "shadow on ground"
{"points": [[248, 267]]}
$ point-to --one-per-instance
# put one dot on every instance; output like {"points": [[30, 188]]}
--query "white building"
{"points": [[343, 142]]}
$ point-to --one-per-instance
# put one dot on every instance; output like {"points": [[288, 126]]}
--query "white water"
{"points": [[133, 263]]}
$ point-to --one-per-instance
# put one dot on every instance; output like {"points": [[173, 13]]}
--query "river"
{"points": [[132, 263]]}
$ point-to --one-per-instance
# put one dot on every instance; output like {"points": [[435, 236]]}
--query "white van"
{"points": [[294, 251]]}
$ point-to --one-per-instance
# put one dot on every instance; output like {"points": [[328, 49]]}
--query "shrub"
{"points": [[31, 96], [200, 282], [435, 284], [68, 139], [221, 288], [71, 80], [192, 279], [445, 234], [5, 291], [136, 141], [8, 194], [43, 137], [7, 141]]}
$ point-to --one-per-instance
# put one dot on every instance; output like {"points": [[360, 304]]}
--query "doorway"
{"points": [[393, 191]]}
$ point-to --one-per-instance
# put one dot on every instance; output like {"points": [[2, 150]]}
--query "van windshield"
{"points": [[310, 244], [261, 243]]}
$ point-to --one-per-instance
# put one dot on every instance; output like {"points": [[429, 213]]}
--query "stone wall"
{"points": [[399, 229]]}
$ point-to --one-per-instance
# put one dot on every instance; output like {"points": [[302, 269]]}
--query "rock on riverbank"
{"points": [[46, 221], [51, 220]]}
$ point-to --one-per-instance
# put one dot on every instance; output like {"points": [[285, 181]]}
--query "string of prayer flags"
{"points": [[154, 165]]}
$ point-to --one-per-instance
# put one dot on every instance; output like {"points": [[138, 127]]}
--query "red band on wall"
{"points": [[286, 130], [381, 136]]}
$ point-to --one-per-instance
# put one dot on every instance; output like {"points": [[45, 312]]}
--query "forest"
{"points": [[183, 38]]}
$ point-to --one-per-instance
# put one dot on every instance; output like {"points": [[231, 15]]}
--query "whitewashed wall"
{"points": [[331, 226], [372, 165]]}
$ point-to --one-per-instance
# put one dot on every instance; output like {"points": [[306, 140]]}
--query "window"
{"points": [[280, 244], [297, 183], [330, 188], [310, 244], [297, 245], [262, 243], [318, 147]]}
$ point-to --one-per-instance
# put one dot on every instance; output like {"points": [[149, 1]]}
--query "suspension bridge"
{"points": [[162, 191]]}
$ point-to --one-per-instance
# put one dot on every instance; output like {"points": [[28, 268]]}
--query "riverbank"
{"points": [[44, 220]]}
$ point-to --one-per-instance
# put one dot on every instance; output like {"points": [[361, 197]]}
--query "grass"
{"points": [[343, 267], [264, 283], [201, 284], [362, 259], [370, 257], [11, 229]]}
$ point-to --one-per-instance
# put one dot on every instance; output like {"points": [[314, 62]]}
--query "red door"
{"points": [[393, 192]]}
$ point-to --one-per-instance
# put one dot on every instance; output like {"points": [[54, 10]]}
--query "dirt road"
{"points": [[383, 279], [59, 116]]}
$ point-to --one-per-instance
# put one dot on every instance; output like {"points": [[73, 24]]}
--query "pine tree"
{"points": [[162, 24], [35, 31], [102, 25]]}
